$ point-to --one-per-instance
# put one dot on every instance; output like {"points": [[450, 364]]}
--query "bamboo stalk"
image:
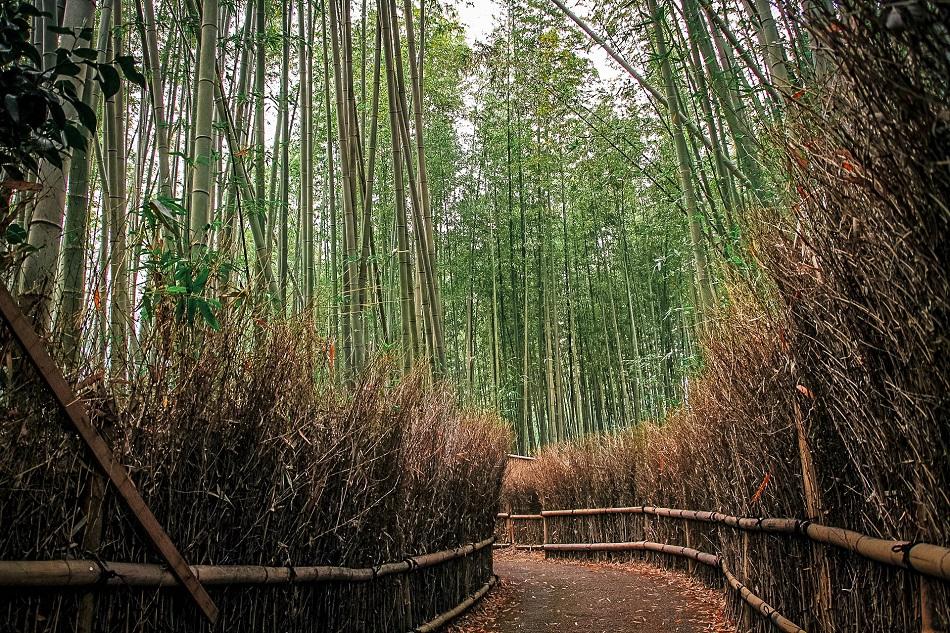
{"points": [[85, 573]]}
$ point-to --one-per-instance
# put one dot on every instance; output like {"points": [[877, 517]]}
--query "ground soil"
{"points": [[538, 595]]}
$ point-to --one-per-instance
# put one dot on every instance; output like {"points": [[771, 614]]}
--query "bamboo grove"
{"points": [[553, 242]]}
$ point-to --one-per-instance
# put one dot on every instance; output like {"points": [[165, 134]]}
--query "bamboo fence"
{"points": [[102, 575], [923, 558]]}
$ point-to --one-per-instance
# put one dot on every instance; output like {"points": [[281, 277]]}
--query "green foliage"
{"points": [[187, 282], [33, 119], [13, 245]]}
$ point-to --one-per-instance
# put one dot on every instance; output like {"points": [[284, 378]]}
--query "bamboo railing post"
{"points": [[406, 603], [812, 490], [544, 535], [746, 615], [928, 617], [690, 564], [94, 501]]}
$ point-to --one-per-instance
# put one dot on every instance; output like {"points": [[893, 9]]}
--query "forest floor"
{"points": [[537, 595]]}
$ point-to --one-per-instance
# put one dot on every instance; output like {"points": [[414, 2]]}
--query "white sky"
{"points": [[478, 18]]}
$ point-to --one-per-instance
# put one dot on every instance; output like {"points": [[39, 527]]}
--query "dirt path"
{"points": [[538, 595]]}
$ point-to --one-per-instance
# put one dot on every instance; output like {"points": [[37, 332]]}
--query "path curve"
{"points": [[557, 595]]}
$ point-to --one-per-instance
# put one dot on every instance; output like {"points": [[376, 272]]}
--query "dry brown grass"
{"points": [[249, 453]]}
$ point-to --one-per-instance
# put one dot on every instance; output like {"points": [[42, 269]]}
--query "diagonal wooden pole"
{"points": [[75, 411]]}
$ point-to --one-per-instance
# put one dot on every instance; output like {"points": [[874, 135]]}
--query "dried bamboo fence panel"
{"points": [[741, 541], [407, 595]]}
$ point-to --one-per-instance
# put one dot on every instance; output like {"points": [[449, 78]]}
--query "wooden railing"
{"points": [[924, 558], [93, 574], [509, 530]]}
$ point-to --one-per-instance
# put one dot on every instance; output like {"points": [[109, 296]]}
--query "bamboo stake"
{"points": [[92, 537], [813, 506]]}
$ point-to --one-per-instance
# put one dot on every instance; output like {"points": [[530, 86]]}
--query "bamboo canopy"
{"points": [[88, 573]]}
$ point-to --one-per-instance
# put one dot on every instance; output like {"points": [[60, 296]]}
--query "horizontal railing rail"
{"points": [[520, 517], [91, 573], [924, 558]]}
